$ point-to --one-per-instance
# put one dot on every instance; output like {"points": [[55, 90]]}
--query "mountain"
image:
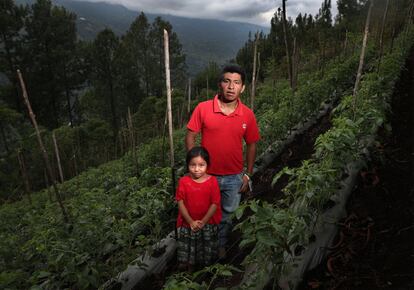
{"points": [[203, 40]]}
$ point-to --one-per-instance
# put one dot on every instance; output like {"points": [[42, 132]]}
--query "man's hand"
{"points": [[245, 186]]}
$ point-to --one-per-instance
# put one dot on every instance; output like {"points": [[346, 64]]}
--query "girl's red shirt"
{"points": [[198, 198]]}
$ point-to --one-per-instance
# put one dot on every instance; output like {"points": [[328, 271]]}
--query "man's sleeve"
{"points": [[252, 131], [195, 123]]}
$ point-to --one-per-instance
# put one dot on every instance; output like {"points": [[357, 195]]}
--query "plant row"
{"points": [[279, 109], [114, 213], [280, 231]]}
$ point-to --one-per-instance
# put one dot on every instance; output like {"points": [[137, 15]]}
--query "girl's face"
{"points": [[197, 167]]}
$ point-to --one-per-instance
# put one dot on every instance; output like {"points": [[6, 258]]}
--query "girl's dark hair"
{"points": [[198, 151]]}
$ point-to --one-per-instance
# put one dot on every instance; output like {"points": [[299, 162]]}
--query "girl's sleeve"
{"points": [[179, 194], [215, 192]]}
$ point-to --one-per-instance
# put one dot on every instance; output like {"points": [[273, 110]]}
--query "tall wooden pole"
{"points": [[189, 98], [25, 176], [168, 86], [42, 148], [253, 92], [49, 193], [381, 43], [207, 85], [163, 133], [57, 157], [284, 24], [362, 56], [132, 140]]}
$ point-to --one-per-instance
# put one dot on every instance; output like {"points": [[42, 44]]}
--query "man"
{"points": [[224, 122]]}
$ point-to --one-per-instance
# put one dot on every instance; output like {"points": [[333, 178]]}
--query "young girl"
{"points": [[198, 197]]}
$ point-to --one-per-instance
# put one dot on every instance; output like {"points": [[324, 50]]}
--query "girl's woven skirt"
{"points": [[198, 248]]}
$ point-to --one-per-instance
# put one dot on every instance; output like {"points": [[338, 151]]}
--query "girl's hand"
{"points": [[200, 224], [194, 226]]}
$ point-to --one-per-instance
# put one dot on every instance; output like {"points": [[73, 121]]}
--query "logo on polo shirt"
{"points": [[244, 126]]}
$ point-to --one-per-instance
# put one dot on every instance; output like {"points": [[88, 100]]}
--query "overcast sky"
{"points": [[252, 11]]}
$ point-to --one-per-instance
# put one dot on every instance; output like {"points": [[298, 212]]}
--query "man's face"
{"points": [[231, 87]]}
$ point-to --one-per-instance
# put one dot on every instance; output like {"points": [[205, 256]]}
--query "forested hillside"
{"points": [[101, 106], [203, 40]]}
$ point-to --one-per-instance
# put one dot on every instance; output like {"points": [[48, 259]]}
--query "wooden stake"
{"points": [[253, 91], [47, 184], [75, 164], [168, 85], [42, 148], [362, 56], [294, 64], [289, 62], [207, 85], [381, 45], [189, 98], [58, 157], [25, 176], [132, 140]]}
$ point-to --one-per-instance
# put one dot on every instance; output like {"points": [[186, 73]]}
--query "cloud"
{"points": [[252, 11]]}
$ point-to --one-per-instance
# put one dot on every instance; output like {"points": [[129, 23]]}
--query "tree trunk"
{"points": [[168, 86], [346, 42], [392, 40], [113, 110], [362, 56], [3, 135], [43, 149], [67, 93], [12, 69]]}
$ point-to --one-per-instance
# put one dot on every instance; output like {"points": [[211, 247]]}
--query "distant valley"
{"points": [[203, 40]]}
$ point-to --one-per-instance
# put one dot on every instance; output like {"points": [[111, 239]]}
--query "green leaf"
{"points": [[226, 273], [253, 206], [239, 212], [43, 274], [246, 242], [265, 237]]}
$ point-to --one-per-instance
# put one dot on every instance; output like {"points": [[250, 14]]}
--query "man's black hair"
{"points": [[233, 69], [198, 151]]}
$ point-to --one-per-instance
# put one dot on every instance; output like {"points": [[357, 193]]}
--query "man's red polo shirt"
{"points": [[222, 135]]}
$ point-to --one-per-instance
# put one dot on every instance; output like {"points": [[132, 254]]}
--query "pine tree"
{"points": [[51, 38], [11, 24], [104, 73]]}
